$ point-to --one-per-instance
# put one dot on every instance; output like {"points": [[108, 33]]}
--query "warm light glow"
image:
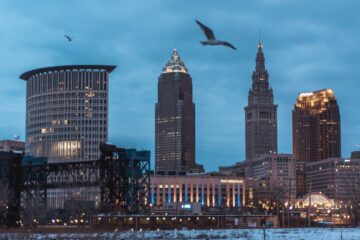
{"points": [[317, 100], [231, 181]]}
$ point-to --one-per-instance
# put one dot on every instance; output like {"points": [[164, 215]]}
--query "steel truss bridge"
{"points": [[124, 182]]}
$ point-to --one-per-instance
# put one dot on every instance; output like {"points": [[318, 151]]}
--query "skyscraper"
{"points": [[260, 113], [175, 119], [316, 126], [66, 115]]}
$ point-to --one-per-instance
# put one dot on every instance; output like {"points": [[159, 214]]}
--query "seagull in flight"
{"points": [[68, 38], [211, 40]]}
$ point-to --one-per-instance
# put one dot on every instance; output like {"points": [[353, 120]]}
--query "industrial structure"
{"points": [[11, 153], [123, 176]]}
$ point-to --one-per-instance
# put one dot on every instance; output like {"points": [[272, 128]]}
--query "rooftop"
{"points": [[317, 99], [26, 75], [175, 64]]}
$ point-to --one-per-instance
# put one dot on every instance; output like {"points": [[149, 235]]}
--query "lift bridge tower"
{"points": [[123, 176]]}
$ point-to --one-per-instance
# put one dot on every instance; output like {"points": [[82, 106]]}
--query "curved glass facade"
{"points": [[67, 113]]}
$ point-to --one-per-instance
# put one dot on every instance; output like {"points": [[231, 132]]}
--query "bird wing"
{"points": [[229, 45], [208, 32], [68, 37]]}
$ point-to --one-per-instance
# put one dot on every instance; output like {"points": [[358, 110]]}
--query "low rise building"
{"points": [[209, 190], [238, 169], [337, 178], [272, 177], [12, 145]]}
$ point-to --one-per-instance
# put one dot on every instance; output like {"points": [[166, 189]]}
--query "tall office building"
{"points": [[316, 126], [260, 113], [66, 116], [175, 119]]}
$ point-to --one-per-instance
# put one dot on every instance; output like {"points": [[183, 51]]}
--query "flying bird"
{"points": [[68, 38], [211, 40]]}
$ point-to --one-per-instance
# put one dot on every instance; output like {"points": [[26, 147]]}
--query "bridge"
{"points": [[123, 180]]}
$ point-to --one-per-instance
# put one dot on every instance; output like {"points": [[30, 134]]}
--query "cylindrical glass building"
{"points": [[66, 112]]}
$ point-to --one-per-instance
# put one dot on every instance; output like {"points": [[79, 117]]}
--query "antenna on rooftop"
{"points": [[259, 35]]}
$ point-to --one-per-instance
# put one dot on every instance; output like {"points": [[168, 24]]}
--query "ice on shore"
{"points": [[239, 234]]}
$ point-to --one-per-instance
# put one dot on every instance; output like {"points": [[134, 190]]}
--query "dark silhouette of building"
{"points": [[11, 154], [316, 126], [260, 113], [355, 155], [175, 120]]}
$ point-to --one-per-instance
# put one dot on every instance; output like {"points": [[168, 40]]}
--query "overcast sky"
{"points": [[308, 45]]}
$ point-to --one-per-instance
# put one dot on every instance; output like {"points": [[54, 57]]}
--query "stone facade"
{"points": [[260, 113]]}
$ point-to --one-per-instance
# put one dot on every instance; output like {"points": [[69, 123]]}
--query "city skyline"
{"points": [[302, 55]]}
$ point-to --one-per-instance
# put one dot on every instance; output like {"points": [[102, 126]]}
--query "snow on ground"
{"points": [[238, 234]]}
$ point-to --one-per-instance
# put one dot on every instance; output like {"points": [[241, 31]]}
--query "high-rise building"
{"points": [[316, 126], [260, 113], [175, 119], [66, 116]]}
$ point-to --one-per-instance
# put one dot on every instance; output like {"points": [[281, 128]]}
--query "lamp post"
{"points": [[309, 207]]}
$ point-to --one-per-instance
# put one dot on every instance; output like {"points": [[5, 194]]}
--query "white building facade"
{"points": [[210, 191]]}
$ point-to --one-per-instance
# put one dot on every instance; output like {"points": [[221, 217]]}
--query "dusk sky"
{"points": [[308, 45]]}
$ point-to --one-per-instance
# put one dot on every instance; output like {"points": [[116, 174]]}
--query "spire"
{"points": [[175, 64], [260, 59], [260, 74]]}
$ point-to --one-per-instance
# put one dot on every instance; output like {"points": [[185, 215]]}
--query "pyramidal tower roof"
{"points": [[175, 64], [260, 59]]}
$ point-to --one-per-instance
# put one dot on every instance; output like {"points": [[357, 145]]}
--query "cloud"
{"points": [[308, 46]]}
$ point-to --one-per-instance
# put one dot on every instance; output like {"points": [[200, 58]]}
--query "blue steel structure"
{"points": [[123, 176]]}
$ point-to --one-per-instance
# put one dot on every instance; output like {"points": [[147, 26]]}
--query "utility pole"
{"points": [[283, 214], [309, 207], [264, 232], [341, 236]]}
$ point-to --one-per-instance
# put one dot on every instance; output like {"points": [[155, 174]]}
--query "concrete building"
{"points": [[316, 126], [355, 155], [237, 169], [210, 191], [175, 120], [337, 178], [67, 118], [260, 113], [11, 145], [272, 176]]}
